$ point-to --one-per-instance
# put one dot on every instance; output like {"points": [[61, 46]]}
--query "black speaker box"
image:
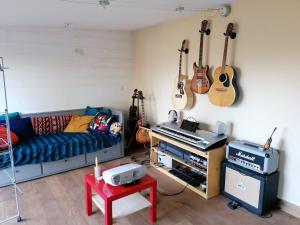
{"points": [[255, 192]]}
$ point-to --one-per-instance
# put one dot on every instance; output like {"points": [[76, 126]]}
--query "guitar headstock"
{"points": [[204, 27], [229, 31], [135, 93], [184, 47], [140, 95]]}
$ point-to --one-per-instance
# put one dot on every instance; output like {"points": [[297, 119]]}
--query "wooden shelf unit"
{"points": [[214, 158]]}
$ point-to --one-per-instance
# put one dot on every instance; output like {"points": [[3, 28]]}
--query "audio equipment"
{"points": [[220, 128], [198, 161], [202, 139], [255, 192], [252, 156], [189, 175], [172, 116], [164, 160], [174, 150]]}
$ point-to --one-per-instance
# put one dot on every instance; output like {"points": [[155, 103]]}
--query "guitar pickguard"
{"points": [[181, 87]]}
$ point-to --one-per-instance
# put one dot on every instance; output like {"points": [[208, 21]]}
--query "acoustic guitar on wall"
{"points": [[142, 135], [224, 91], [200, 81], [182, 96]]}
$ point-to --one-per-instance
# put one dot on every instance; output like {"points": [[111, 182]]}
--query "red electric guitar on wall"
{"points": [[200, 81]]}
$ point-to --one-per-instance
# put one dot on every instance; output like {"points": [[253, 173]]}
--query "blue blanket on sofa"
{"points": [[47, 148]]}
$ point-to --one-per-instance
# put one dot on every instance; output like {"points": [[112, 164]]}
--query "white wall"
{"points": [[266, 55], [54, 69]]}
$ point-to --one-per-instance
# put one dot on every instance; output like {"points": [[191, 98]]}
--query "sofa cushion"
{"points": [[92, 111], [50, 124], [102, 122], [3, 138], [79, 124], [22, 128], [11, 116]]}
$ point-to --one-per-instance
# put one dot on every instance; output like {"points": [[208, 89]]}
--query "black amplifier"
{"points": [[255, 192]]}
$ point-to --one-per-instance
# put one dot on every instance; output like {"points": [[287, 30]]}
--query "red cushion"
{"points": [[50, 124], [3, 138]]}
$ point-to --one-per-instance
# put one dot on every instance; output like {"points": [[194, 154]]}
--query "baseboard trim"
{"points": [[289, 208]]}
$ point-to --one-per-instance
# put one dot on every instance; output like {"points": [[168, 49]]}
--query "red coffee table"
{"points": [[110, 193]]}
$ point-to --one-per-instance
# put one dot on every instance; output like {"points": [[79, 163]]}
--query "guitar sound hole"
{"points": [[223, 78]]}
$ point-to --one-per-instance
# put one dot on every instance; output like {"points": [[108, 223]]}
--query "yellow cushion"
{"points": [[79, 124]]}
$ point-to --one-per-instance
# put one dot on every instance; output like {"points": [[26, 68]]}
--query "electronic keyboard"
{"points": [[201, 139]]}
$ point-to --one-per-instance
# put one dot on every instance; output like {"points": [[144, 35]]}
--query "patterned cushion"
{"points": [[102, 122], [3, 138], [50, 124]]}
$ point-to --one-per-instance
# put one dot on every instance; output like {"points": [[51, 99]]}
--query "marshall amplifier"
{"points": [[253, 191], [252, 156]]}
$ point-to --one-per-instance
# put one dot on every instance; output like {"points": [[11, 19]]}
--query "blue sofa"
{"points": [[45, 155]]}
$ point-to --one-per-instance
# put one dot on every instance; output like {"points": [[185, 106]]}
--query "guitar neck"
{"points": [[180, 62], [200, 65], [143, 111], [224, 55]]}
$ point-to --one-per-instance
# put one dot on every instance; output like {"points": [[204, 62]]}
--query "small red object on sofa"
{"points": [[3, 138]]}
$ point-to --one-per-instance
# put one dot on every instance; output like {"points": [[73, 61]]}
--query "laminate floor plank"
{"points": [[59, 200]]}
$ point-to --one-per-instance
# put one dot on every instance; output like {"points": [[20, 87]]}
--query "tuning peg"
{"points": [[232, 35], [186, 51], [207, 32]]}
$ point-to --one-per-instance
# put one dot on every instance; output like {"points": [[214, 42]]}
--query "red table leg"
{"points": [[88, 198], [108, 212], [152, 211]]}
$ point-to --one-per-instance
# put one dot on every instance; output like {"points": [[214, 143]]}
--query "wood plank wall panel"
{"points": [[53, 69]]}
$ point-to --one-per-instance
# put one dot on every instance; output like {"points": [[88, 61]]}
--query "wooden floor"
{"points": [[59, 200]]}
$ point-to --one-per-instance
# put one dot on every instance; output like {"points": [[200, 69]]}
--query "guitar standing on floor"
{"points": [[182, 96], [142, 135], [133, 118], [223, 91], [200, 81]]}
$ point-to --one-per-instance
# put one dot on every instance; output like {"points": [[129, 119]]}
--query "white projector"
{"points": [[124, 174]]}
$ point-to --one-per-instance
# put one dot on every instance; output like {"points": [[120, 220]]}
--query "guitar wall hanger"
{"points": [[186, 50], [207, 31], [232, 35]]}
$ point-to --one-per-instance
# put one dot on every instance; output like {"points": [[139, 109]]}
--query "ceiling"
{"points": [[88, 14]]}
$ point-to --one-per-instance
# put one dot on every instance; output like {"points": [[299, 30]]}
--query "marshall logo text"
{"points": [[243, 155]]}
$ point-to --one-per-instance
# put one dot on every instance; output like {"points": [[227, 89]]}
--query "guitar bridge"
{"points": [[221, 89]]}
